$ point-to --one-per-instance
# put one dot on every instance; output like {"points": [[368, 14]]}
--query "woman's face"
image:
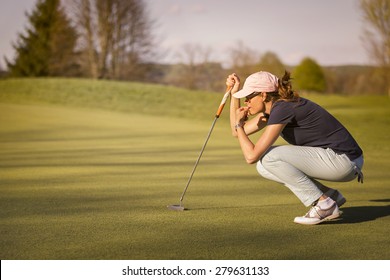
{"points": [[255, 103]]}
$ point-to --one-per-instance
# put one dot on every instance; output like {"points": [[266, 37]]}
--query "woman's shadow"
{"points": [[360, 214]]}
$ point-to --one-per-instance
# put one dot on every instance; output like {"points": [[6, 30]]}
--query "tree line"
{"points": [[113, 39], [100, 39]]}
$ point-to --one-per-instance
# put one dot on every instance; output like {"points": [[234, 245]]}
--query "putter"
{"points": [[180, 207]]}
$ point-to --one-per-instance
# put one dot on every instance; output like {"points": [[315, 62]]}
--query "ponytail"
{"points": [[285, 91], [285, 88]]}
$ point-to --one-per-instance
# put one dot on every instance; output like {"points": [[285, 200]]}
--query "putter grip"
{"points": [[223, 102]]}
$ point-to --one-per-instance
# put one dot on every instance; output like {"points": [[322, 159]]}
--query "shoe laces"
{"points": [[314, 212]]}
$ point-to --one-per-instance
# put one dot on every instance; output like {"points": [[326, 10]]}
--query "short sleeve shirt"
{"points": [[308, 124]]}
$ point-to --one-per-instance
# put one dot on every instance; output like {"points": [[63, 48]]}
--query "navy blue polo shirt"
{"points": [[308, 124]]}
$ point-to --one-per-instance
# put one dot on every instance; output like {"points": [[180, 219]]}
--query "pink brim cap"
{"points": [[258, 82]]}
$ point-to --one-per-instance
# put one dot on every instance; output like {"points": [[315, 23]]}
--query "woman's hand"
{"points": [[233, 81], [242, 115]]}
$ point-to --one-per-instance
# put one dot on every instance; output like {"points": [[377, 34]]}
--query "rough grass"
{"points": [[87, 169]]}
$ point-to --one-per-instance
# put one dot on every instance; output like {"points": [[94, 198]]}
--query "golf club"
{"points": [[180, 207]]}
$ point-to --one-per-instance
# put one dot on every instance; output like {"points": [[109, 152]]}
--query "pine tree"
{"points": [[47, 47]]}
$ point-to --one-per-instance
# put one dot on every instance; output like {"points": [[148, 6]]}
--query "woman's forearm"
{"points": [[234, 105]]}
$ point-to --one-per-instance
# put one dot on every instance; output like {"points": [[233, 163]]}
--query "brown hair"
{"points": [[285, 91]]}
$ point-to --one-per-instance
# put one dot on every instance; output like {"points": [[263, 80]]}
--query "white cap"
{"points": [[258, 82]]}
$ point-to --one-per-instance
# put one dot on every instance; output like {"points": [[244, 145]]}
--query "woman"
{"points": [[321, 147]]}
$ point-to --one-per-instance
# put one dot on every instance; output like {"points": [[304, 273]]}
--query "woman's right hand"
{"points": [[233, 81]]}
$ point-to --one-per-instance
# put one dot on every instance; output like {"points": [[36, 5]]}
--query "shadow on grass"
{"points": [[381, 200], [360, 214]]}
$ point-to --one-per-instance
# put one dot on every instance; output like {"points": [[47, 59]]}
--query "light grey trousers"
{"points": [[298, 167]]}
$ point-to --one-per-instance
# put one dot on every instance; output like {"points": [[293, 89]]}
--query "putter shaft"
{"points": [[219, 111], [197, 161]]}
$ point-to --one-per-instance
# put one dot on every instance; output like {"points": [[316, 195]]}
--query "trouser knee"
{"points": [[270, 158], [262, 170]]}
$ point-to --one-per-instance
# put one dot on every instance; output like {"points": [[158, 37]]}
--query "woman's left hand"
{"points": [[233, 81]]}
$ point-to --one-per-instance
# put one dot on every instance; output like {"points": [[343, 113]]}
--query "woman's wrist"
{"points": [[240, 124]]}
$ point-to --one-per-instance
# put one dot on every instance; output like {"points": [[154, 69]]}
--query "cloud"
{"points": [[199, 9], [294, 57], [175, 9]]}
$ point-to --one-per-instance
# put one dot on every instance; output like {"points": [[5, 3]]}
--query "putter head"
{"points": [[176, 207]]}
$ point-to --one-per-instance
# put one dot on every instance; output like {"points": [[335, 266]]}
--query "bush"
{"points": [[308, 76]]}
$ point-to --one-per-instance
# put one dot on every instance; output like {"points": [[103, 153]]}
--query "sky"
{"points": [[328, 31]]}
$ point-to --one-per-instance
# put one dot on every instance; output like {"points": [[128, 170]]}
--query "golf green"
{"points": [[81, 183]]}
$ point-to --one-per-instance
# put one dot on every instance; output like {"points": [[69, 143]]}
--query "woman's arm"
{"points": [[252, 152], [253, 125], [233, 81]]}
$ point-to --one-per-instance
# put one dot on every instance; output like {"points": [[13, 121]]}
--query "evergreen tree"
{"points": [[308, 75], [47, 47]]}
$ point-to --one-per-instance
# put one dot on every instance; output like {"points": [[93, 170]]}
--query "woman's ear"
{"points": [[264, 96]]}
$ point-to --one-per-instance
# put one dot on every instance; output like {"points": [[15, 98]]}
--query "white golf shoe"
{"points": [[317, 215]]}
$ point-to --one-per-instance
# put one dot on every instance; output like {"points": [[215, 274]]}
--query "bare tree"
{"points": [[376, 13], [193, 56], [116, 36], [105, 14], [243, 59], [194, 70], [134, 41]]}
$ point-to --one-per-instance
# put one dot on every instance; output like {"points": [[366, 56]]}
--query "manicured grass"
{"points": [[83, 177], [109, 95]]}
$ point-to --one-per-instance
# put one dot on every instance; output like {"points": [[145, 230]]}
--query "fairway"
{"points": [[94, 183]]}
